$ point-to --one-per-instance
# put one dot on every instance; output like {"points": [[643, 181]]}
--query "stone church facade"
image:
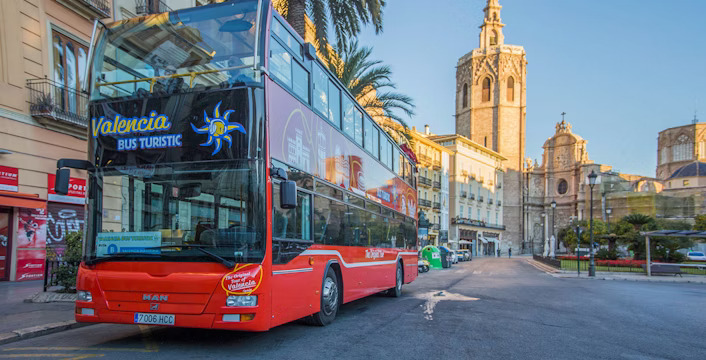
{"points": [[491, 107]]}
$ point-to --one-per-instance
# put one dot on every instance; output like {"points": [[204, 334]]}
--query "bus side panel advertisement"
{"points": [[301, 139]]}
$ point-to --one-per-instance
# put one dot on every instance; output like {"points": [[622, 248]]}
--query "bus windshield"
{"points": [[214, 45], [168, 211]]}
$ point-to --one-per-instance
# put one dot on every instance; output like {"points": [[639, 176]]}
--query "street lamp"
{"points": [[555, 246], [545, 247], [592, 177], [607, 213]]}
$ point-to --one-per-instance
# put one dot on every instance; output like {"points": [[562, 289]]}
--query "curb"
{"points": [[47, 297], [610, 278], [40, 330], [542, 267]]}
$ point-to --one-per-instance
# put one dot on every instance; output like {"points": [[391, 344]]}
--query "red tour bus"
{"points": [[234, 183]]}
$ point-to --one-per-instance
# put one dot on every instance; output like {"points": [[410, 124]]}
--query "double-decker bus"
{"points": [[234, 182]]}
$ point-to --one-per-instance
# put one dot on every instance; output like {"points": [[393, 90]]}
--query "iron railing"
{"points": [[144, 7], [500, 203], [472, 196], [464, 194], [100, 6], [478, 223], [425, 203], [435, 227], [437, 185], [480, 198], [425, 181], [50, 267], [52, 100], [437, 206], [490, 201]]}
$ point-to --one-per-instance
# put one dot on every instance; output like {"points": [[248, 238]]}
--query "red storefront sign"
{"points": [[9, 178], [76, 195], [30, 265]]}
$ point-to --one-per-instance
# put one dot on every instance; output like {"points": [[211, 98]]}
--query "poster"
{"points": [[9, 178], [30, 265], [4, 242], [63, 219], [76, 195], [32, 228], [117, 242]]}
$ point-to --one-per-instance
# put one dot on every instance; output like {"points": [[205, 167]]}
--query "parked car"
{"points": [[466, 255], [695, 255], [454, 258]]}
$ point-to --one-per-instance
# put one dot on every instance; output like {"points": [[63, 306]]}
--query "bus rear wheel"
{"points": [[329, 300], [399, 279]]}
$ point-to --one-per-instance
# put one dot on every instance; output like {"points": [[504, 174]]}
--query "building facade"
{"points": [[491, 107], [43, 117], [476, 186], [679, 146]]}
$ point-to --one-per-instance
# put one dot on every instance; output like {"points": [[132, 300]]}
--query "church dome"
{"points": [[696, 168]]}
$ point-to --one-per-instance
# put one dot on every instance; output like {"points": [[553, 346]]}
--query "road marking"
{"points": [[476, 272], [433, 297], [76, 348], [66, 356]]}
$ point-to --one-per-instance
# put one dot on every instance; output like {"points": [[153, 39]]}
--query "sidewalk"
{"points": [[627, 276], [22, 319]]}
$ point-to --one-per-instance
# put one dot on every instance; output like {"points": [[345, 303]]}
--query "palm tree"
{"points": [[637, 220], [365, 79], [346, 17]]}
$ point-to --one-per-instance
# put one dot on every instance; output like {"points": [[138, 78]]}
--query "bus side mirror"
{"points": [[61, 184], [288, 194]]}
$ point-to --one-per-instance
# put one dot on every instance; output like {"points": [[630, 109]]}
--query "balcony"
{"points": [[500, 185], [464, 173], [425, 181], [477, 223], [435, 227], [144, 7], [51, 102], [464, 194], [500, 203], [424, 203], [92, 9], [480, 198], [472, 196], [490, 201], [437, 206], [436, 164], [473, 176], [437, 185]]}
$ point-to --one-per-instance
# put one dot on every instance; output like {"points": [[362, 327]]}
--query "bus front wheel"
{"points": [[329, 300]]}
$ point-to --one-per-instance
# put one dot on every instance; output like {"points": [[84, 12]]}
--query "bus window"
{"points": [[320, 91], [300, 81], [375, 208], [368, 134], [291, 223], [287, 38], [329, 191], [358, 126], [376, 143], [334, 109], [348, 118], [384, 151], [280, 63], [395, 160]]}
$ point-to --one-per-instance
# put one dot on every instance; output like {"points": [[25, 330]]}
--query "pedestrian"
{"points": [[498, 252], [509, 253]]}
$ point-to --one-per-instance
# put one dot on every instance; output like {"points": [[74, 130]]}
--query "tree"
{"points": [[568, 237], [700, 222], [346, 17], [365, 78]]}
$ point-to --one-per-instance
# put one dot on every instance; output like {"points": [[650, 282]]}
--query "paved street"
{"points": [[488, 308]]}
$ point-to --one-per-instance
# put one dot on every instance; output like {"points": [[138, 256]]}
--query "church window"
{"points": [[683, 149], [563, 187], [465, 95], [493, 38], [510, 89], [663, 155], [485, 141], [486, 89], [495, 16]]}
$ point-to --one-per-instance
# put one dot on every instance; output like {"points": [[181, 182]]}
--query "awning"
{"points": [[484, 240], [464, 242], [487, 240], [13, 199]]}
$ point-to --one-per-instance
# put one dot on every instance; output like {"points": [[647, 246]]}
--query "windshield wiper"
{"points": [[227, 263], [117, 255]]}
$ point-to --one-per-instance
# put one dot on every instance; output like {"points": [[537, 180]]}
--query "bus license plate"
{"points": [[154, 319]]}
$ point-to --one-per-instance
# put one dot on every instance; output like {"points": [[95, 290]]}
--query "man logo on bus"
{"points": [[218, 128]]}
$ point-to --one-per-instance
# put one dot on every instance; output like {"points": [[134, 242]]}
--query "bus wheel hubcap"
{"points": [[330, 295]]}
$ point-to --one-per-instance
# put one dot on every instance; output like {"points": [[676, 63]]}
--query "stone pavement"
{"points": [[20, 319]]}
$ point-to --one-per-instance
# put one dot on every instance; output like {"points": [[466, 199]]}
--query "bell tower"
{"points": [[490, 108]]}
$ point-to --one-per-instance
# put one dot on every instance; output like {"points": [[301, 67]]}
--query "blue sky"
{"points": [[621, 70]]}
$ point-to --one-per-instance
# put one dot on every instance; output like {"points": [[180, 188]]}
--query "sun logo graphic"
{"points": [[218, 128]]}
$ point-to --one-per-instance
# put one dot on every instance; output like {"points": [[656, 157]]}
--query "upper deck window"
{"points": [[211, 45]]}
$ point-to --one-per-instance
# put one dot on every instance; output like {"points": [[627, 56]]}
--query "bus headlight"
{"points": [[85, 296], [248, 300]]}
